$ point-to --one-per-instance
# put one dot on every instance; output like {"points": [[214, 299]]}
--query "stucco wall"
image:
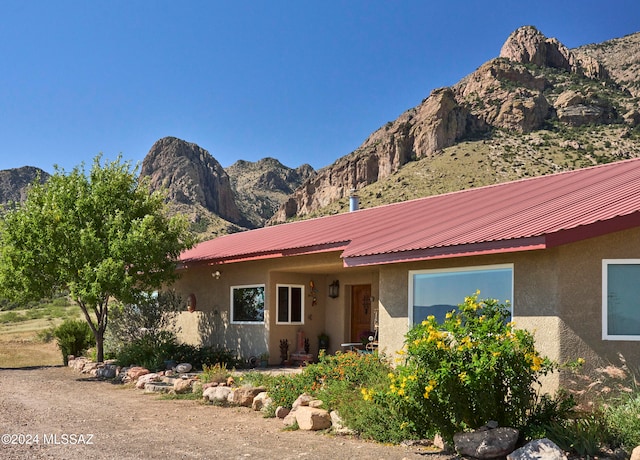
{"points": [[210, 323], [557, 296]]}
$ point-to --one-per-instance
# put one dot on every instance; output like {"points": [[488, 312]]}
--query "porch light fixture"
{"points": [[334, 289], [216, 274]]}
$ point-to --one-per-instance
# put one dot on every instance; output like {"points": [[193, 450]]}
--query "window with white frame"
{"points": [[621, 299], [290, 301], [436, 292], [247, 304]]}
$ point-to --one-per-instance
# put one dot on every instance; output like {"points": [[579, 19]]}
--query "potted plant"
{"points": [[264, 359], [323, 341]]}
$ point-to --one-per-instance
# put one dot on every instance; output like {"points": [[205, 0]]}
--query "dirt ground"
{"points": [[56, 413]]}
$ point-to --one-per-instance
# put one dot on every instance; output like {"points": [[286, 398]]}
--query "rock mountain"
{"points": [[525, 112], [15, 182], [215, 199], [537, 108]]}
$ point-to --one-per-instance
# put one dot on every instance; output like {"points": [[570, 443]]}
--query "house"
{"points": [[563, 249]]}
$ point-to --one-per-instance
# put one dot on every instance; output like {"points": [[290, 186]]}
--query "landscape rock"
{"points": [[262, 401], [635, 454], [181, 386], [134, 373], [290, 419], [302, 400], [539, 449], [338, 425], [312, 419], [146, 378], [183, 368], [157, 387], [106, 371], [244, 396], [282, 412], [486, 443], [217, 395], [88, 367]]}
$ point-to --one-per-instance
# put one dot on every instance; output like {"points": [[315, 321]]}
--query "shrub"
{"points": [[150, 350], [623, 419], [73, 337], [472, 368], [585, 435], [153, 348]]}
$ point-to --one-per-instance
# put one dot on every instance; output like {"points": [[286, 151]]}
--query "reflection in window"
{"points": [[247, 304], [436, 292], [621, 299], [290, 304]]}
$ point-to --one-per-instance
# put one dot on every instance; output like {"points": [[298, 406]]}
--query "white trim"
{"points": [[242, 286], [455, 270], [301, 286], [605, 304]]}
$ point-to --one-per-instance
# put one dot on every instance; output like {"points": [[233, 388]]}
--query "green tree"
{"points": [[100, 236]]}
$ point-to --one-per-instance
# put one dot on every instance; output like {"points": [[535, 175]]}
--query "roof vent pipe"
{"points": [[354, 201]]}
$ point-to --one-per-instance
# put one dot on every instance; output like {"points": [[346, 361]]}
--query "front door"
{"points": [[360, 311]]}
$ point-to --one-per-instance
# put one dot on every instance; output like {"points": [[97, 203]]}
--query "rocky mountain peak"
{"points": [[528, 45], [15, 182], [192, 177]]}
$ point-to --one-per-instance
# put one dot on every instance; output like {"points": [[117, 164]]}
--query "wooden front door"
{"points": [[360, 311]]}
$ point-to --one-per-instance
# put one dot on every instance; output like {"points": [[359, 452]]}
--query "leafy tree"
{"points": [[101, 236]]}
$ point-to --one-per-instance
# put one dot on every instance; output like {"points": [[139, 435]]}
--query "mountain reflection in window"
{"points": [[436, 292], [247, 304]]}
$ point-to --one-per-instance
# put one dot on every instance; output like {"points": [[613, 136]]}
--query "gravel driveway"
{"points": [[55, 413]]}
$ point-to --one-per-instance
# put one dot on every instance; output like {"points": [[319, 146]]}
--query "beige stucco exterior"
{"points": [[557, 295]]}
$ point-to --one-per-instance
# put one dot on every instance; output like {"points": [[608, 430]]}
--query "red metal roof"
{"points": [[533, 213]]}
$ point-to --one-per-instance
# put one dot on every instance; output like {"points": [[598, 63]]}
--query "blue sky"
{"points": [[301, 81]]}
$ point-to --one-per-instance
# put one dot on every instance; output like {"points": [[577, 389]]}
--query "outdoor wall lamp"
{"points": [[216, 274], [334, 289]]}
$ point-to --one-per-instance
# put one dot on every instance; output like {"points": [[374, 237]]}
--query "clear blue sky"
{"points": [[301, 81]]}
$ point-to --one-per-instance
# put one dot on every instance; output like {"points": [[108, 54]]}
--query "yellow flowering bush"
{"points": [[472, 368]]}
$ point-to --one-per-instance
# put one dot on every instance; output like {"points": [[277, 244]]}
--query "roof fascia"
{"points": [[599, 228], [448, 252], [307, 250]]}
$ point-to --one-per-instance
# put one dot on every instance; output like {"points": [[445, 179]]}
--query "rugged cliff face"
{"points": [[535, 82], [192, 177], [261, 187], [14, 183]]}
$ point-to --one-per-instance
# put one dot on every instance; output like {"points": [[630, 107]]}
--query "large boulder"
{"points": [[312, 418], [486, 443], [539, 449], [244, 396], [217, 395], [262, 401]]}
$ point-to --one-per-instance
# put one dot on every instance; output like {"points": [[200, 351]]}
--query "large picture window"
{"points": [[247, 304], [436, 292], [621, 299], [290, 304]]}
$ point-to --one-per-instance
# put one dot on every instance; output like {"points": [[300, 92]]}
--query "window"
{"points": [[436, 292], [247, 304], [290, 304], [621, 299]]}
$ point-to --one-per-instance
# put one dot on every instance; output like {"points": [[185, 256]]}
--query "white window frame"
{"points": [[458, 270], [231, 306], [289, 286], [605, 303]]}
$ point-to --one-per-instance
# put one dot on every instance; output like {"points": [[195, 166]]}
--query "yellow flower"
{"points": [[496, 354], [401, 392], [536, 364], [449, 315], [462, 376]]}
